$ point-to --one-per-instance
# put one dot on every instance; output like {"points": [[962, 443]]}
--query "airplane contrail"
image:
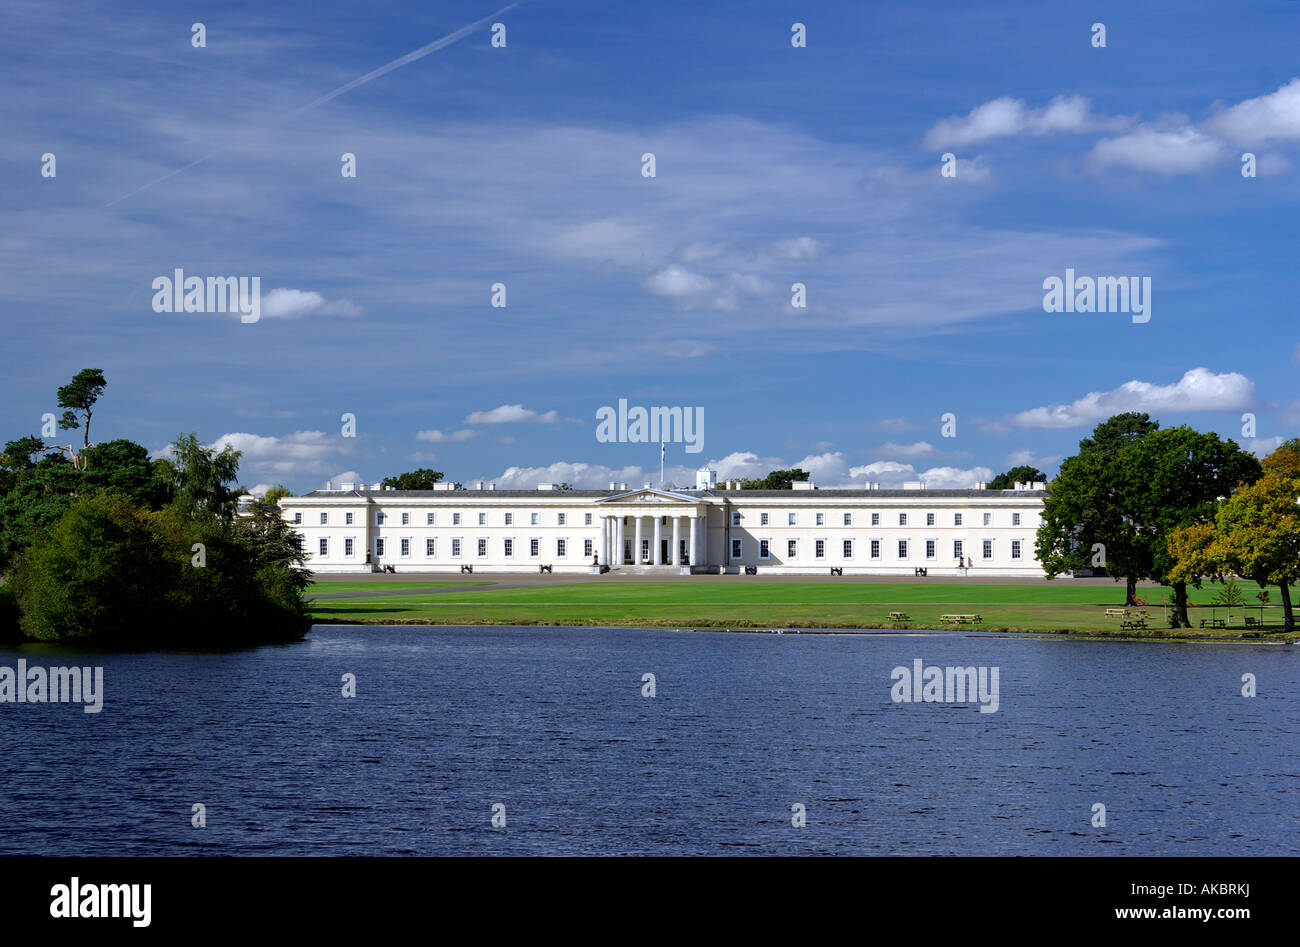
{"points": [[410, 57]]}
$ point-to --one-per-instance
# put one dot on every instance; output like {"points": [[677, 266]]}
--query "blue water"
{"points": [[551, 723]]}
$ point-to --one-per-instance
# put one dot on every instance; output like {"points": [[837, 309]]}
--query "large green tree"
{"points": [[201, 478], [78, 398], [1088, 519], [420, 479], [1022, 474], [776, 480]]}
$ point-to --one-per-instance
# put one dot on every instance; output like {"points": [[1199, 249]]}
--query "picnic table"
{"points": [[1212, 623], [1133, 623], [962, 619], [899, 616]]}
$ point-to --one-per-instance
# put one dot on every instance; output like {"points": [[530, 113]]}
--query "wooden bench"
{"points": [[464, 569], [541, 569], [899, 616], [1134, 623], [962, 619], [835, 570], [1253, 622], [1212, 623]]}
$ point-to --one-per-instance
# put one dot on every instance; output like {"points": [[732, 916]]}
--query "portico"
{"points": [[652, 528]]}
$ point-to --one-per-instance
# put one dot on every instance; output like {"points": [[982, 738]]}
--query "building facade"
{"points": [[706, 529]]}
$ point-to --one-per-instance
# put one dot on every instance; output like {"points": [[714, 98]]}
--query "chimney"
{"points": [[613, 487], [646, 485], [329, 486], [374, 486], [492, 486], [622, 486]]}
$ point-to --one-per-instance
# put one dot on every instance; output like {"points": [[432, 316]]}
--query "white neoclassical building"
{"points": [[707, 528]]}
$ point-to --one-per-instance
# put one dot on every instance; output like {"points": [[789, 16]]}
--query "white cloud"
{"points": [[296, 303], [438, 437], [677, 283], [1006, 116], [892, 474], [799, 248], [280, 457], [511, 414], [1262, 446], [1272, 117], [1198, 390], [1182, 150]]}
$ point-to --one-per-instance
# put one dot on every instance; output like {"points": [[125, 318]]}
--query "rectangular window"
{"points": [[587, 548], [482, 519], [455, 547], [957, 549], [324, 519], [510, 519], [406, 519], [534, 520], [561, 547], [1015, 519], [764, 549], [762, 519], [1015, 549], [431, 547], [534, 547], [875, 549], [791, 545], [324, 546], [848, 519], [482, 548], [819, 549], [509, 547], [406, 546], [379, 548], [347, 519], [735, 517], [586, 519], [379, 517], [455, 519], [988, 519], [559, 521], [929, 519], [988, 549], [875, 519], [930, 548], [297, 519], [848, 549], [735, 549], [429, 519], [956, 519], [902, 519], [902, 549], [347, 546], [821, 520], [792, 519]]}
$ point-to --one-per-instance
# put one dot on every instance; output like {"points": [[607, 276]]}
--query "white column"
{"points": [[695, 541], [656, 550], [677, 535], [602, 544], [636, 549], [618, 540], [704, 539]]}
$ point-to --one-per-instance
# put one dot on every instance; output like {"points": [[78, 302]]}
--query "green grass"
{"points": [[1049, 608]]}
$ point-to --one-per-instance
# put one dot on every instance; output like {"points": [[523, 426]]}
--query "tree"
{"points": [[1022, 474], [1171, 479], [78, 398], [276, 494], [1284, 462], [1088, 520], [776, 480], [198, 477], [421, 479], [1257, 535]]}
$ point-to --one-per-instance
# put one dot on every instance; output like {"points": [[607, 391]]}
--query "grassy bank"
{"points": [[1041, 608]]}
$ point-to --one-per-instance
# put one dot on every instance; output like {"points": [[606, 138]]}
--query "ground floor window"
{"points": [[848, 549], [347, 547], [930, 546], [406, 547], [509, 547], [431, 547], [875, 549], [957, 549], [764, 549], [790, 546], [379, 548], [534, 547], [324, 546], [988, 549], [902, 549], [1015, 549], [561, 547], [482, 547], [735, 548], [587, 547], [455, 547], [819, 549]]}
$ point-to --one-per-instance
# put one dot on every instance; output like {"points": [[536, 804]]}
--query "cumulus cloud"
{"points": [[1006, 116], [296, 303], [438, 437], [690, 290], [1262, 446], [1198, 390], [1182, 150], [677, 282], [280, 457], [511, 414], [892, 474], [1272, 117]]}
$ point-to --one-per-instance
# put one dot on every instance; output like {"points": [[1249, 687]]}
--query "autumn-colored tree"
{"points": [[1257, 535]]}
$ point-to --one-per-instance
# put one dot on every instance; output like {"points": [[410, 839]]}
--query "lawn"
{"points": [[1049, 608], [319, 588]]}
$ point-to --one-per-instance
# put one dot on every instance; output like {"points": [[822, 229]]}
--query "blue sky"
{"points": [[774, 165]]}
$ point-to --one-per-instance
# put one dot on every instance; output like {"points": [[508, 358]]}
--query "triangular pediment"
{"points": [[652, 495]]}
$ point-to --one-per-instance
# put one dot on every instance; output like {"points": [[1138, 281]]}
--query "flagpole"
{"points": [[662, 449]]}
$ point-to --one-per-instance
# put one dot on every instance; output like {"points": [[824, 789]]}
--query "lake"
{"points": [[550, 723]]}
